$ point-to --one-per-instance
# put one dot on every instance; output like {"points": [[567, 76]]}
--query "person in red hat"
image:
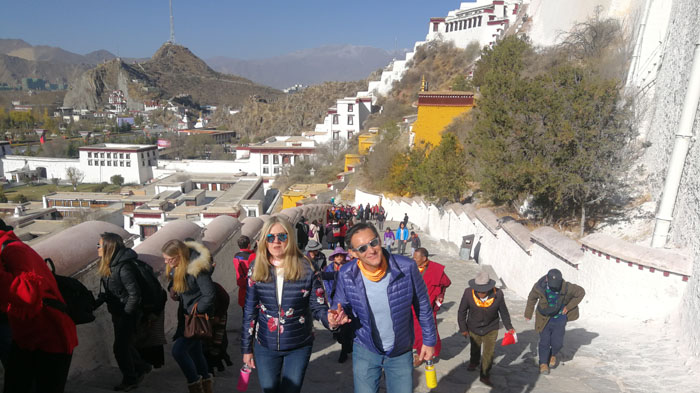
{"points": [[478, 317], [43, 336], [437, 282]]}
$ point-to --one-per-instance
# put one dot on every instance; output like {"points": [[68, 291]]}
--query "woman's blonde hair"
{"points": [[111, 242], [293, 260], [177, 249]]}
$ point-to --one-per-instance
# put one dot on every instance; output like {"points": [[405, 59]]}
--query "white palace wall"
{"points": [[620, 278]]}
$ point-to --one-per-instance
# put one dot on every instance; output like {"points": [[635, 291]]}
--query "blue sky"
{"points": [[232, 28]]}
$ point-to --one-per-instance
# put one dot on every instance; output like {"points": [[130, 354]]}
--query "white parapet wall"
{"points": [[620, 278]]}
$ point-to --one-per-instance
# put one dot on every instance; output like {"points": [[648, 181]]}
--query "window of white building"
{"points": [[109, 155], [266, 159], [89, 162], [114, 163], [336, 119], [275, 159], [102, 163], [109, 163], [351, 107], [350, 132], [351, 120], [89, 154], [336, 135], [276, 170], [266, 170], [128, 163]]}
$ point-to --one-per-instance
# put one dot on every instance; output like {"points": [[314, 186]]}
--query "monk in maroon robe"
{"points": [[437, 282]]}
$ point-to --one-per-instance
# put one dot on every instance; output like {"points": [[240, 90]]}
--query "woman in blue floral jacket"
{"points": [[284, 294]]}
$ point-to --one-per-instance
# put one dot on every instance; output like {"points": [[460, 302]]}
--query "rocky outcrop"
{"points": [[172, 71]]}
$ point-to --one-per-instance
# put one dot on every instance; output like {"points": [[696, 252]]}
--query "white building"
{"points": [[133, 162], [267, 159], [344, 120], [484, 21]]}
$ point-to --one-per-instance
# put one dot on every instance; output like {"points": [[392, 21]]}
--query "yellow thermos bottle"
{"points": [[430, 376]]}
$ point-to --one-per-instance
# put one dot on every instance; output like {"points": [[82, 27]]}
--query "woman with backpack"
{"points": [[188, 264], [122, 293], [42, 336]]}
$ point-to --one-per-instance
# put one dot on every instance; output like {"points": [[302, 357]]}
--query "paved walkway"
{"points": [[601, 354]]}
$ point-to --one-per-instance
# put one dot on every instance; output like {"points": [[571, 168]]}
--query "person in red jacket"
{"points": [[241, 262], [437, 282], [43, 337]]}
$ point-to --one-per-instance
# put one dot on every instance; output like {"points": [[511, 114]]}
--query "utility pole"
{"points": [[172, 24]]}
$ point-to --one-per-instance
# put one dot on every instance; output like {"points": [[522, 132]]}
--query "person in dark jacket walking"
{"points": [[557, 303], [415, 242], [478, 316], [188, 264], [122, 293], [42, 337], [405, 220], [344, 335], [302, 233], [318, 258], [284, 294], [383, 327]]}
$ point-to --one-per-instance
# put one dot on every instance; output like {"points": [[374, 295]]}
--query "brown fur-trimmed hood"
{"points": [[200, 259]]}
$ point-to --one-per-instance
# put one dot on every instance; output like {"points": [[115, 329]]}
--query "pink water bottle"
{"points": [[244, 378]]}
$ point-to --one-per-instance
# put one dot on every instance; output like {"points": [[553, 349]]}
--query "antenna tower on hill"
{"points": [[172, 24]]}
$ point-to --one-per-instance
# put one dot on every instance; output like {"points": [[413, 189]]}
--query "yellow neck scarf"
{"points": [[373, 276], [483, 303]]}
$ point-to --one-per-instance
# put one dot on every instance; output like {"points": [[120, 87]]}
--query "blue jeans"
{"points": [[189, 356], [367, 369], [552, 338], [281, 371]]}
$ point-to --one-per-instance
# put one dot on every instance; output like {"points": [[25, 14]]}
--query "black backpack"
{"points": [[79, 301], [153, 296]]}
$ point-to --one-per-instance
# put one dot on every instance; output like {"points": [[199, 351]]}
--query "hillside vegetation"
{"points": [[441, 64], [288, 114], [550, 126]]}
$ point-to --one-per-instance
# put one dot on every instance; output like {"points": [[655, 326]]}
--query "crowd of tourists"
{"points": [[282, 288]]}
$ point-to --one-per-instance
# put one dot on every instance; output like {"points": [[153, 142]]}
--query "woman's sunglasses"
{"points": [[282, 237], [363, 248]]}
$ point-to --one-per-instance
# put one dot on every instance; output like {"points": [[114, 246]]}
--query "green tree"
{"points": [[20, 198], [117, 180], [460, 83], [443, 174]]}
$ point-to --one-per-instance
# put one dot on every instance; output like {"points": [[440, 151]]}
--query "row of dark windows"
{"points": [[121, 155], [464, 24]]}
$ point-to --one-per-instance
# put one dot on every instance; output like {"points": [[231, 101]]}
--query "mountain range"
{"points": [[309, 66], [19, 59]]}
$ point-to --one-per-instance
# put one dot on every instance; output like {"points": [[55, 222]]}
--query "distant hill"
{"points": [[19, 59], [172, 71], [12, 69], [22, 49], [309, 66]]}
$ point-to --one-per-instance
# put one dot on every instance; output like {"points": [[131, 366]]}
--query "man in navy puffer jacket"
{"points": [[384, 326]]}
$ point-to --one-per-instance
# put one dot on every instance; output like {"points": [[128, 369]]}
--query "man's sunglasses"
{"points": [[363, 248], [282, 237]]}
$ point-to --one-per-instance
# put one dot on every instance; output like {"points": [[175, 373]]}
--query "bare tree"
{"points": [[75, 176]]}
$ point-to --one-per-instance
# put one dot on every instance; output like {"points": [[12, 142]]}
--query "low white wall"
{"points": [[55, 167], [638, 289]]}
